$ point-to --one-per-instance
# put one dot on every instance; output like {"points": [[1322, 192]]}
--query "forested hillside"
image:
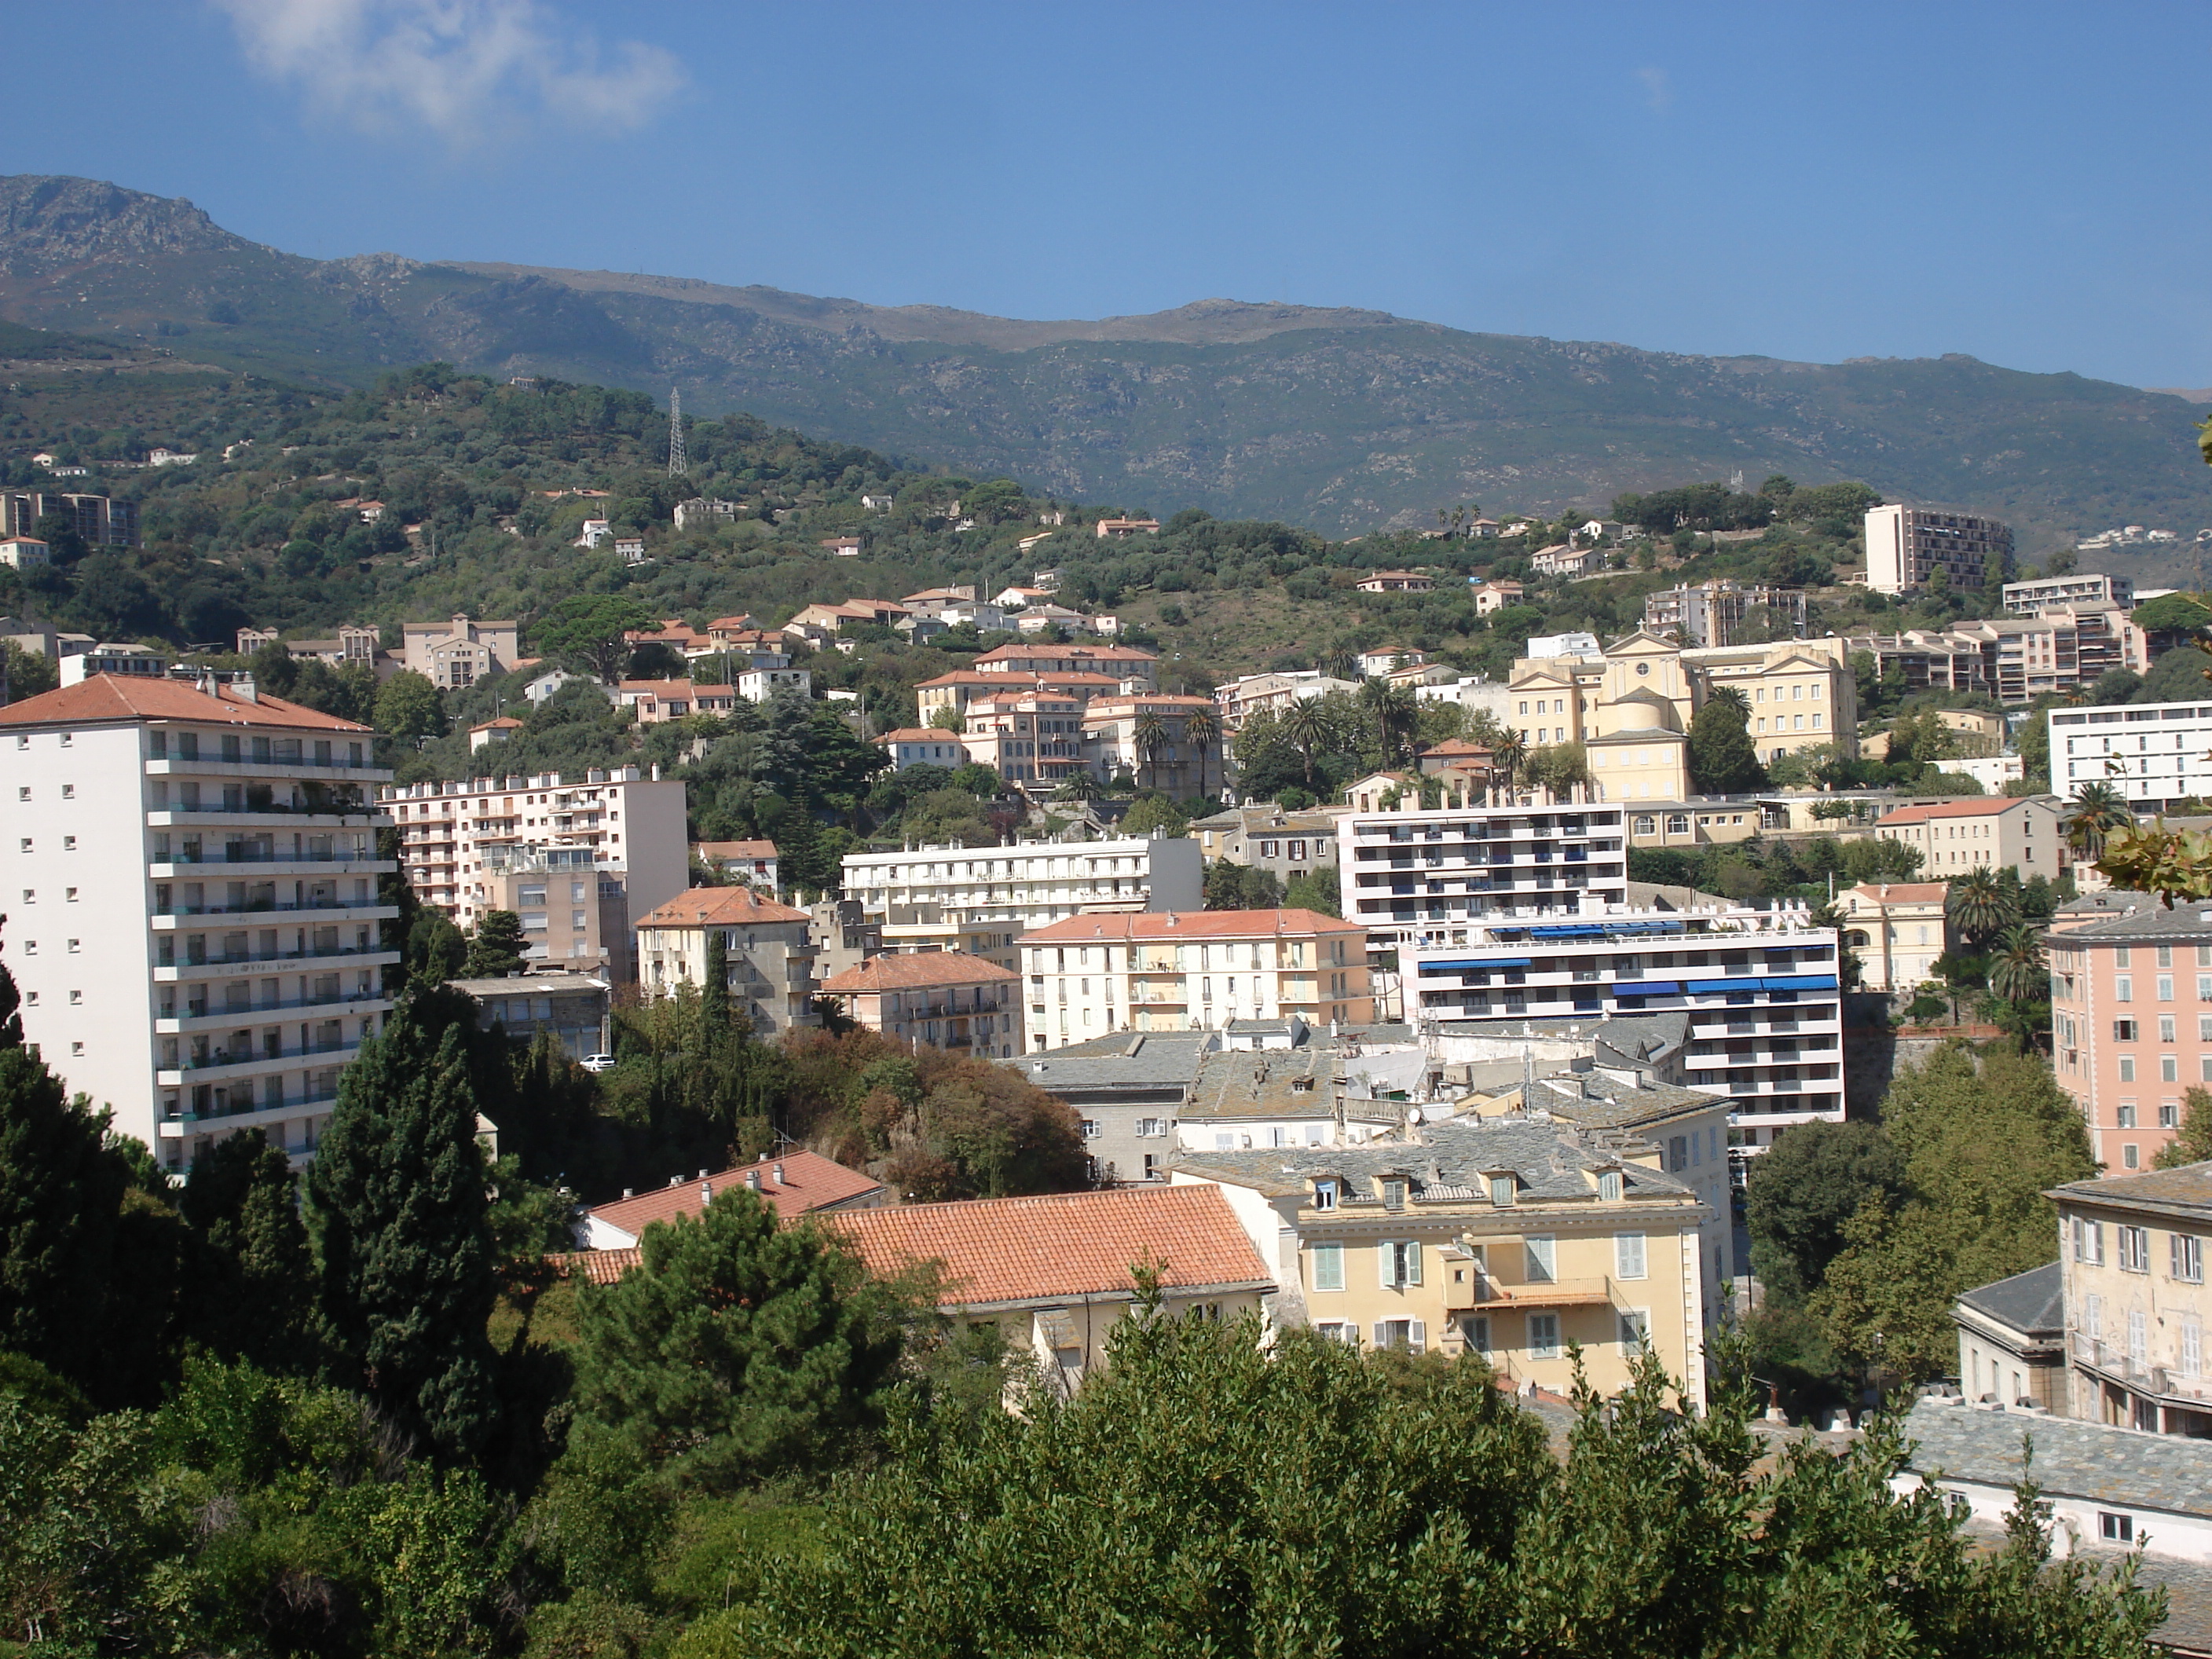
{"points": [[1344, 421]]}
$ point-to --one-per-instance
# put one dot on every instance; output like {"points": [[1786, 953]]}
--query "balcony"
{"points": [[213, 966], [176, 1126], [220, 1065], [1482, 1291], [165, 921], [199, 1014]]}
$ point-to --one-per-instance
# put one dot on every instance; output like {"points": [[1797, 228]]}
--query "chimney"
{"points": [[703, 1173], [780, 1181], [753, 1180], [676, 1181], [246, 688], [627, 1193]]}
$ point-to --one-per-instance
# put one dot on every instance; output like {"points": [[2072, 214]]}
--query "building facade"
{"points": [[2029, 598], [193, 919], [1283, 844], [2131, 1017], [1724, 612], [2132, 1249], [944, 999], [1150, 738], [1031, 738], [1129, 1090], [1982, 832], [570, 1008], [981, 899], [1905, 545], [458, 653], [455, 836], [1898, 930], [2012, 1340], [768, 953], [1092, 975], [1512, 1240], [98, 520], [2156, 754], [924, 746]]}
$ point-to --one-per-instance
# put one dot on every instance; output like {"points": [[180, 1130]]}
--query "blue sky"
{"points": [[2023, 183]]}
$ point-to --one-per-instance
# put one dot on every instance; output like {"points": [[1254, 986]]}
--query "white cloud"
{"points": [[1658, 91], [462, 71]]}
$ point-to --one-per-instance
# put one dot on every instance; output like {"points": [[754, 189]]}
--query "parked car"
{"points": [[599, 1063]]}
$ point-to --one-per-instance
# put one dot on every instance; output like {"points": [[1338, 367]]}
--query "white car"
{"points": [[599, 1063]]}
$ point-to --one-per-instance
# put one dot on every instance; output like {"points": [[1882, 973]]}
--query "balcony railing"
{"points": [[201, 1010], [245, 1107], [242, 958], [266, 907], [217, 1058], [236, 854]]}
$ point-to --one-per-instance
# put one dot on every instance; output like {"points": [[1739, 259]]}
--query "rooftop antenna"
{"points": [[676, 464]]}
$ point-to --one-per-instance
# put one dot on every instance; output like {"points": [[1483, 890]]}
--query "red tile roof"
{"points": [[1973, 807], [734, 849], [131, 698], [920, 734], [718, 907], [1190, 924], [915, 970], [997, 1250], [599, 1267], [810, 1183], [1904, 892], [1100, 652]]}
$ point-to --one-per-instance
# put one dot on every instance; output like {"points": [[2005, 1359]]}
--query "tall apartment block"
{"points": [[100, 520], [1509, 917], [577, 859], [190, 893], [1907, 544], [2158, 755], [981, 899], [2031, 598]]}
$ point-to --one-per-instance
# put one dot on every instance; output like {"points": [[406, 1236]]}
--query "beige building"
{"points": [[1720, 611], [1906, 545], [2012, 1340], [1181, 764], [1514, 1240], [945, 999], [1119, 663], [458, 652], [768, 950], [1283, 844], [1026, 737], [1898, 930], [574, 915], [955, 693], [2132, 1247], [1092, 975], [1993, 832]]}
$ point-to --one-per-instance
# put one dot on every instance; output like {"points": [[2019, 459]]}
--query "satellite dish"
{"points": [[1413, 1115]]}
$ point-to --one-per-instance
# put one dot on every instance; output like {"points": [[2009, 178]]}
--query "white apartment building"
{"points": [[1090, 976], [190, 884], [455, 837], [1905, 545], [981, 899], [1417, 878], [2085, 587], [2159, 755], [1759, 989]]}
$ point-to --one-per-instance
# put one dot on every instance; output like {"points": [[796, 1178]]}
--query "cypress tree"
{"points": [[714, 989], [397, 1200], [60, 1190], [1722, 761], [251, 1295]]}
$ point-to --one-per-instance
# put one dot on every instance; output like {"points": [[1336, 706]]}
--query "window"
{"points": [[2169, 1069], [2134, 1251], [75, 946], [1329, 1267], [1635, 1329], [69, 895], [1543, 1336], [76, 1049], [1335, 1330], [2116, 1528], [1410, 1334], [2089, 1243], [2122, 956], [2124, 989], [1678, 1153], [2169, 1114], [1400, 1262], [2166, 988], [1090, 1128], [1628, 1256], [2130, 1157], [1225, 1143], [2127, 1071], [1542, 1252], [1501, 1190], [2165, 1028], [2186, 1257], [1324, 1194], [1608, 1186], [2138, 1336], [1474, 1330], [2192, 1348], [2165, 955]]}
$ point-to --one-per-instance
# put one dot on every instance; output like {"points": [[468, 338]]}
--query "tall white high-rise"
{"points": [[190, 890]]}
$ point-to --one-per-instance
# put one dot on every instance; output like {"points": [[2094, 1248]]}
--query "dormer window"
{"points": [[1501, 1191], [1394, 1194], [1324, 1194], [1608, 1186]]}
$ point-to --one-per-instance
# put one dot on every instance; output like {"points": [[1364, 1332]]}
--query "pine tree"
{"points": [[397, 1200], [496, 948], [1722, 761], [251, 1295], [714, 989]]}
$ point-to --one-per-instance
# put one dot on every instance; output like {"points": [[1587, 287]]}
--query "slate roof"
{"points": [[1594, 1099], [2139, 916], [1642, 1039], [2098, 1461], [2033, 1303], [1447, 1161], [1002, 1251], [809, 1182], [133, 697], [1128, 1062], [2188, 1188], [1252, 1083], [917, 970]]}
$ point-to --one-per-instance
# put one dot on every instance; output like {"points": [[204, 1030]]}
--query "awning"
{"points": [[1646, 987], [1465, 967], [1801, 982], [1707, 987]]}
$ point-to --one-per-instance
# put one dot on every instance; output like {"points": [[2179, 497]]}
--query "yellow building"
{"points": [[2133, 1251], [1512, 1239], [1631, 705]]}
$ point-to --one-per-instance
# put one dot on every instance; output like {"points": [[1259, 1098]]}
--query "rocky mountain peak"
{"points": [[50, 223]]}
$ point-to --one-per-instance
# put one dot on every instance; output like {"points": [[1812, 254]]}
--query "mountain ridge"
{"points": [[1343, 419]]}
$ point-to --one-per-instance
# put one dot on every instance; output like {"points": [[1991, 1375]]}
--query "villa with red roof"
{"points": [[1983, 832]]}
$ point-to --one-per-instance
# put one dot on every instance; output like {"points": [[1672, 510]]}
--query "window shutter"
{"points": [[1541, 1260], [1413, 1263], [1628, 1256], [1382, 1333], [1417, 1335], [1385, 1263]]}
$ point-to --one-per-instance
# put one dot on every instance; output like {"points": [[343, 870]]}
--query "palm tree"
{"points": [[1079, 785], [1339, 662], [1149, 734], [1979, 906], [1202, 726], [1507, 754], [2098, 809], [1306, 724], [2018, 972], [1394, 715]]}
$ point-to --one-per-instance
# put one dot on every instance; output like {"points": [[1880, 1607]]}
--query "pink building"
{"points": [[2131, 1017]]}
